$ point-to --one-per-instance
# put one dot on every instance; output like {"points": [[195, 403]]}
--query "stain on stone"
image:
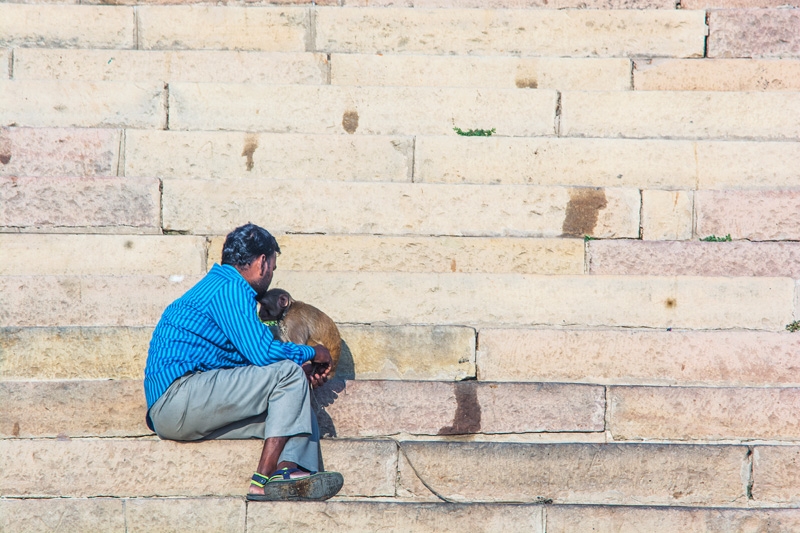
{"points": [[5, 146], [128, 244], [350, 121], [468, 411], [527, 83], [250, 145], [15, 430], [671, 303], [452, 265], [582, 211]]}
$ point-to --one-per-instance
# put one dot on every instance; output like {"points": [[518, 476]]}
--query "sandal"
{"points": [[281, 486]]}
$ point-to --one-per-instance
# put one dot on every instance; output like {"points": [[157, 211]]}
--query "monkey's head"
{"points": [[274, 304]]}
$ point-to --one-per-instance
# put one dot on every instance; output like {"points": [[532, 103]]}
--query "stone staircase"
{"points": [[536, 337]]}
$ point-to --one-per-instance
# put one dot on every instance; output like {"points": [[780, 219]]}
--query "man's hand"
{"points": [[318, 369]]}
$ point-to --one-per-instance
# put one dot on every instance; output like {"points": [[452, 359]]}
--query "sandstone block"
{"points": [[718, 358], [577, 33], [212, 515], [212, 66], [754, 33], [409, 486], [362, 110], [358, 253], [517, 4], [694, 258], [695, 413], [575, 74], [541, 161], [681, 114], [126, 205], [271, 29], [264, 156], [5, 59], [716, 74], [582, 473], [65, 26], [57, 514], [45, 103], [199, 206], [667, 215], [740, 165], [367, 517], [771, 215], [376, 408], [776, 473]]}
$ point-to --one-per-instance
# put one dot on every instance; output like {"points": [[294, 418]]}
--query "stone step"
{"points": [[772, 33], [435, 299], [716, 74]]}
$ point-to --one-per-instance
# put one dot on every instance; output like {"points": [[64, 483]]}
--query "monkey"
{"points": [[300, 323]]}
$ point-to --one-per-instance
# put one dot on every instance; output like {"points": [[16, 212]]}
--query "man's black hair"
{"points": [[246, 243]]}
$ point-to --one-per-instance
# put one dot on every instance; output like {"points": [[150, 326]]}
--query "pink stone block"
{"points": [[756, 215], [754, 33]]}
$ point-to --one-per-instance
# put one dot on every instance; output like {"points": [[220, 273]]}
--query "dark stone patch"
{"points": [[250, 145], [582, 211], [527, 83], [468, 411], [350, 121]]}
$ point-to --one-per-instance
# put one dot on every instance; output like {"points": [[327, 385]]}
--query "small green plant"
{"points": [[794, 326], [474, 133], [714, 238], [587, 238]]}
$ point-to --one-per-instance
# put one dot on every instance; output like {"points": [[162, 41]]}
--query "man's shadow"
{"points": [[324, 396]]}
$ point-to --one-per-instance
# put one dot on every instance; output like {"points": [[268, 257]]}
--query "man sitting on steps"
{"points": [[214, 371]]}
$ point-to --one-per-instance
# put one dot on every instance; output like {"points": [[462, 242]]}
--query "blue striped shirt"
{"points": [[214, 325]]}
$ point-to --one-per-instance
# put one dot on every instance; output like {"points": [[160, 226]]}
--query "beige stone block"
{"points": [[625, 301], [56, 514], [264, 156], [739, 165], [151, 467], [201, 207], [212, 515], [102, 104], [102, 255], [773, 32], [776, 474], [577, 33], [367, 517], [58, 152], [772, 215], [5, 59], [517, 4], [582, 473], [732, 4], [377, 408], [575, 74], [409, 486], [694, 258], [681, 114], [362, 110], [667, 215], [621, 519], [580, 162], [714, 358], [85, 408], [270, 29], [66, 26], [212, 66], [366, 253], [73, 353], [716, 74], [127, 205], [695, 413]]}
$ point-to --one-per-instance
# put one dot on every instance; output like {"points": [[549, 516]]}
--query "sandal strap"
{"points": [[285, 474], [258, 480]]}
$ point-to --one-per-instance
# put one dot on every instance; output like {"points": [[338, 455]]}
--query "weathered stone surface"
{"points": [[361, 110], [741, 358], [694, 258], [201, 207], [621, 519], [732, 4], [667, 215], [56, 514], [64, 26], [582, 162], [739, 165], [409, 486], [271, 29], [223, 155], [771, 215], [681, 114], [367, 517], [210, 515], [151, 467], [73, 353], [582, 473], [5, 59], [234, 66], [516, 4], [575, 74], [376, 408], [58, 152], [695, 413], [367, 253], [123, 204], [579, 33], [776, 474], [72, 408], [754, 33], [716, 74]]}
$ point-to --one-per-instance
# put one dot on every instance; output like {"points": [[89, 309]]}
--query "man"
{"points": [[215, 371]]}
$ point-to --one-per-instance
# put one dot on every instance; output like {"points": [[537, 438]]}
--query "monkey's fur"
{"points": [[301, 323]]}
